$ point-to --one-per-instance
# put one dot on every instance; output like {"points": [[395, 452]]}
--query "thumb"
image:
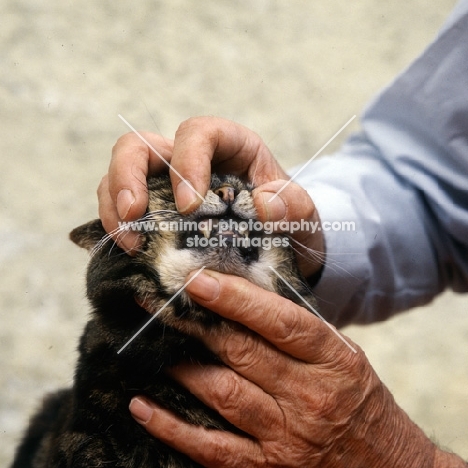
{"points": [[292, 210], [281, 200]]}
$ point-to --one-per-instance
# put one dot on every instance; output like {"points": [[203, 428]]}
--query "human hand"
{"points": [[302, 396], [203, 145]]}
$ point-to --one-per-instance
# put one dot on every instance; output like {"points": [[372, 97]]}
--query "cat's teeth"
{"points": [[243, 232], [204, 228]]}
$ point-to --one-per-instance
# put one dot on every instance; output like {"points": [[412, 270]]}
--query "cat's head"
{"points": [[222, 234]]}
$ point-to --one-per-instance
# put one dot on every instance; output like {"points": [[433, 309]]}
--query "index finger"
{"points": [[203, 144], [131, 163], [283, 323]]}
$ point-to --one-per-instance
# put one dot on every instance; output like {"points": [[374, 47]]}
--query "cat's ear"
{"points": [[88, 235]]}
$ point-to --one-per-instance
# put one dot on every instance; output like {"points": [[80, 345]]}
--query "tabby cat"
{"points": [[89, 425]]}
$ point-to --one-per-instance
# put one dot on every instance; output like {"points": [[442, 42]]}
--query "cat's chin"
{"points": [[181, 313], [190, 318], [176, 264], [198, 327]]}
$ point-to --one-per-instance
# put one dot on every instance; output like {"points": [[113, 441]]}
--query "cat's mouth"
{"points": [[231, 235], [223, 227], [231, 229]]}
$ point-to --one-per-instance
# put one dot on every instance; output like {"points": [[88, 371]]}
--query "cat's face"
{"points": [[222, 234]]}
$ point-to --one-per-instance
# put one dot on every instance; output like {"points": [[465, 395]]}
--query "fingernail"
{"points": [[274, 206], [205, 287], [125, 200], [140, 410], [185, 196]]}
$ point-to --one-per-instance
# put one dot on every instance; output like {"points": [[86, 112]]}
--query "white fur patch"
{"points": [[259, 272], [174, 265]]}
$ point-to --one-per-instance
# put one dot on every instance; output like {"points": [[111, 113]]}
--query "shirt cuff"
{"points": [[347, 265]]}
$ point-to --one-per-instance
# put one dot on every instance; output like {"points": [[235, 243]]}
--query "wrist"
{"points": [[385, 436], [412, 448], [404, 444], [448, 460]]}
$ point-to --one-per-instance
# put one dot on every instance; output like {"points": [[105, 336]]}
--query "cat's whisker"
{"points": [[137, 225], [117, 239], [320, 257], [104, 241], [307, 252]]}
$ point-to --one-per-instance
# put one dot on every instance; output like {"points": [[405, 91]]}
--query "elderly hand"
{"points": [[303, 397], [300, 394], [203, 145]]}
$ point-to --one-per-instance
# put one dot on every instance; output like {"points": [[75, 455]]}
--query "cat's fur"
{"points": [[89, 425]]}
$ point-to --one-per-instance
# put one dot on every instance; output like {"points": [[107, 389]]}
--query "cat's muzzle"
{"points": [[225, 233]]}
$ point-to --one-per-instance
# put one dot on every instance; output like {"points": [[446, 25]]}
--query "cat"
{"points": [[89, 425]]}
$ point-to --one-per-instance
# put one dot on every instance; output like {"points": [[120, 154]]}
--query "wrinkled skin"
{"points": [[301, 394]]}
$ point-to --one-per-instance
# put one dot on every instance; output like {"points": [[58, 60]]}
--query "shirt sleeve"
{"points": [[394, 200]]}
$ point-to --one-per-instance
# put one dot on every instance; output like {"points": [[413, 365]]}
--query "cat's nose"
{"points": [[226, 193]]}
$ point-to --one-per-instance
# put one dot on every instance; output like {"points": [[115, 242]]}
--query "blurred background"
{"points": [[294, 72]]}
